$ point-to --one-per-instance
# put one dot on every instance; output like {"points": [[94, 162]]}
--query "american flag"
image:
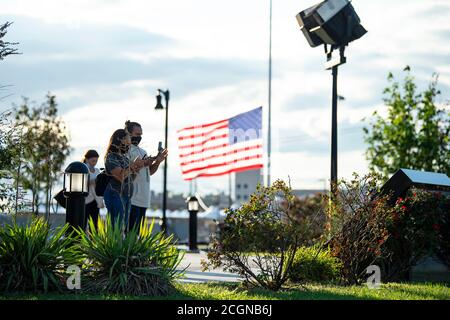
{"points": [[222, 147]]}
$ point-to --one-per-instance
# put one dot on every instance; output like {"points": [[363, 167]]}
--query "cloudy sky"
{"points": [[104, 60]]}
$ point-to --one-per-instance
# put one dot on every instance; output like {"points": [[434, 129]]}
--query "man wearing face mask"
{"points": [[140, 199]]}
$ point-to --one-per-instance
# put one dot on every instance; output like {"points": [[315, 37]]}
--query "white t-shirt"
{"points": [[141, 185], [92, 196]]}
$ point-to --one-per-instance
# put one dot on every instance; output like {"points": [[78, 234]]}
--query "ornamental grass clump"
{"points": [[137, 262], [35, 257]]}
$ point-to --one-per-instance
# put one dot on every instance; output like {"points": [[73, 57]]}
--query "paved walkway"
{"points": [[194, 274]]}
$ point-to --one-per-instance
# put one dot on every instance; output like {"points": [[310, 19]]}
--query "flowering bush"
{"points": [[419, 227]]}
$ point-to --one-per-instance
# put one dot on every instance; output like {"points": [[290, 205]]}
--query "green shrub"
{"points": [[314, 264], [34, 257], [261, 235], [134, 263]]}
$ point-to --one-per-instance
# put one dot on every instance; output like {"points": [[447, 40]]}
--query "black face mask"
{"points": [[136, 140]]}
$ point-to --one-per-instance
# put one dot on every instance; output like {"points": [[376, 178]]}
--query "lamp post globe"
{"points": [[75, 190]]}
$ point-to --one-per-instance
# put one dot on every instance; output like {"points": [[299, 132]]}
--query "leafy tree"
{"points": [[9, 135], [44, 149], [6, 48], [9, 156], [416, 132]]}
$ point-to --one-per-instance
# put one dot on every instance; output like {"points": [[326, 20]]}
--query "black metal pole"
{"points": [[230, 199], [269, 119], [75, 211], [193, 231], [164, 204], [334, 132]]}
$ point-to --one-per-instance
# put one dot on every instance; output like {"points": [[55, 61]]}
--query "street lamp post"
{"points": [[192, 206], [76, 188], [159, 106]]}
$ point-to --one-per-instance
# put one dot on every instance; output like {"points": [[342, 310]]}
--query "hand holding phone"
{"points": [[162, 153], [137, 164]]}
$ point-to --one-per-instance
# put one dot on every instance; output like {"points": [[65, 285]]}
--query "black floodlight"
{"points": [[307, 22], [332, 22]]}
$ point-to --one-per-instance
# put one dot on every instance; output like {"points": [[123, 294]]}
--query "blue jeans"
{"points": [[137, 214], [118, 206]]}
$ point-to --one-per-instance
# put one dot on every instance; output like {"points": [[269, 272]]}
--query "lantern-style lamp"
{"points": [[76, 188], [192, 206], [76, 178]]}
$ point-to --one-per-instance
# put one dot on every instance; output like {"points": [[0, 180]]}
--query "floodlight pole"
{"points": [[333, 64], [334, 72]]}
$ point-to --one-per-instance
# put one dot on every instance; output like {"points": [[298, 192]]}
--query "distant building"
{"points": [[304, 193], [220, 200], [175, 201], [245, 183]]}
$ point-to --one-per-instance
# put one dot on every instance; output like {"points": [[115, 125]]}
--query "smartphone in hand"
{"points": [[160, 147]]}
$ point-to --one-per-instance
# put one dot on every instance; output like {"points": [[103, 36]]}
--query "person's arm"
{"points": [[154, 167], [121, 173]]}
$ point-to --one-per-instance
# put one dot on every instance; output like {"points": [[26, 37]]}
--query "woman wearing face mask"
{"points": [[122, 170], [93, 203], [140, 199]]}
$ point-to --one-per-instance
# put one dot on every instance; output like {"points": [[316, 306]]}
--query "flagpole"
{"points": [[269, 135], [229, 191]]}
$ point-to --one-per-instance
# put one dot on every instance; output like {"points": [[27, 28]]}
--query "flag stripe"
{"points": [[221, 154], [226, 163], [203, 134], [222, 145], [221, 136], [252, 167], [198, 127], [228, 158], [218, 170], [202, 143], [218, 149]]}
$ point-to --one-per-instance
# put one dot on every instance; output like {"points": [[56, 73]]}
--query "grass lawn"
{"points": [[224, 291]]}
